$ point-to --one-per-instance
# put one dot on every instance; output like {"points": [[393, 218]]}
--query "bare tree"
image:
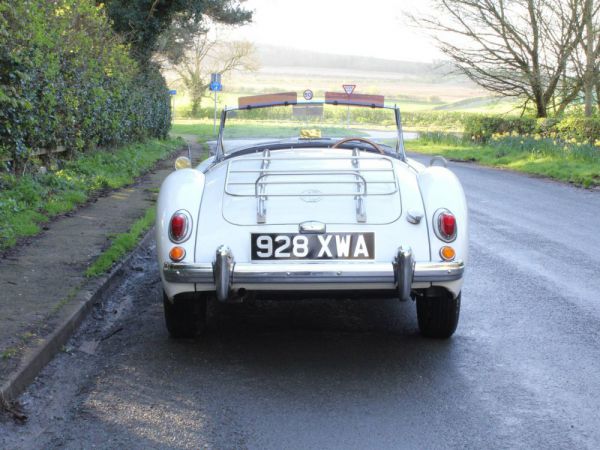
{"points": [[515, 48], [207, 54], [581, 77], [590, 47]]}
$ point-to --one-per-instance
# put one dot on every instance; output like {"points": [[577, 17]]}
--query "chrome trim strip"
{"points": [[313, 272], [319, 273], [441, 271], [401, 150], [188, 273]]}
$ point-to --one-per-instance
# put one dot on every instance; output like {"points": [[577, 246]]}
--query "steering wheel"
{"points": [[360, 139]]}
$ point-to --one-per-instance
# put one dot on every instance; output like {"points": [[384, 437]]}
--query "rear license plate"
{"points": [[313, 246]]}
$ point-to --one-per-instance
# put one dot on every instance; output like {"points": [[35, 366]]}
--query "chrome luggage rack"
{"points": [[270, 182]]}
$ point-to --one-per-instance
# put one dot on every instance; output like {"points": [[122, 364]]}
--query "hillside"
{"points": [[273, 57]]}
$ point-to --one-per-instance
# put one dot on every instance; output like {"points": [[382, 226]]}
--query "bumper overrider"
{"points": [[227, 275]]}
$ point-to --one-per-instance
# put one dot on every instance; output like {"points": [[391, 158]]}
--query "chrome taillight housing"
{"points": [[444, 225], [180, 226]]}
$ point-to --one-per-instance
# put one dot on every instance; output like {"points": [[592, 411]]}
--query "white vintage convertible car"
{"points": [[316, 199]]}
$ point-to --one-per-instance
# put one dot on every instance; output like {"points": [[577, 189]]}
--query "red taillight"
{"points": [[447, 225], [178, 227]]}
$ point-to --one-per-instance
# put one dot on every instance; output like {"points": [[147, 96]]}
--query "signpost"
{"points": [[215, 86], [172, 92], [349, 89], [308, 94]]}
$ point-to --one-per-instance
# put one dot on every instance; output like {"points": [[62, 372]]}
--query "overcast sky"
{"points": [[376, 28]]}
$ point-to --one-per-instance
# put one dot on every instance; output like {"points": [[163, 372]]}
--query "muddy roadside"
{"points": [[42, 278]]}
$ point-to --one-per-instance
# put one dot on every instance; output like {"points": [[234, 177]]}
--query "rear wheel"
{"points": [[438, 312], [185, 316]]}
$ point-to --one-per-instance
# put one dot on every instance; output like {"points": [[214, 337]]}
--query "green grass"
{"points": [[32, 199], [203, 129], [574, 163], [122, 244], [254, 129]]}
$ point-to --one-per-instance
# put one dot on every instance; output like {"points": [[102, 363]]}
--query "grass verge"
{"points": [[29, 200], [256, 129], [122, 244], [574, 163]]}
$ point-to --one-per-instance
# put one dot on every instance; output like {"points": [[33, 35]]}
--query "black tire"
{"points": [[437, 313], [186, 315]]}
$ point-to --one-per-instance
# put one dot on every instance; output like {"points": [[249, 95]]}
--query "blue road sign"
{"points": [[172, 91], [215, 82]]}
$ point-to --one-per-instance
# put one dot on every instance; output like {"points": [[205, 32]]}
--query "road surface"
{"points": [[522, 370]]}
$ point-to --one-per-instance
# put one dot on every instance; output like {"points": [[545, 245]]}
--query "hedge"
{"points": [[570, 128], [440, 120], [67, 80]]}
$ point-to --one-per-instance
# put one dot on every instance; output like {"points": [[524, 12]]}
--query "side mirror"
{"points": [[183, 162]]}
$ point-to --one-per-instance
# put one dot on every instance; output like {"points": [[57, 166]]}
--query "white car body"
{"points": [[266, 192]]}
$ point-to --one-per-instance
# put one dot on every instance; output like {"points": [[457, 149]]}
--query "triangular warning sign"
{"points": [[349, 88]]}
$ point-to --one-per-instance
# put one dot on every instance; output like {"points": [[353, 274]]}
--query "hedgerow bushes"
{"points": [[67, 80], [573, 129], [439, 120], [577, 163]]}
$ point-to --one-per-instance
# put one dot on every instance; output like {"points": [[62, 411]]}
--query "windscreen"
{"points": [[308, 121]]}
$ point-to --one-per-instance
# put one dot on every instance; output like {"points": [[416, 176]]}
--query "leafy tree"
{"points": [[67, 80], [142, 22]]}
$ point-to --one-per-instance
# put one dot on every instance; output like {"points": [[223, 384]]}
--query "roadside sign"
{"points": [[172, 91], [308, 94], [216, 87], [215, 82], [349, 88]]}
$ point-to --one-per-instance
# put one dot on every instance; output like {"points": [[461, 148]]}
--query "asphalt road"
{"points": [[522, 370]]}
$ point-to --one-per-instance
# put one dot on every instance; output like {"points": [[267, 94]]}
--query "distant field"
{"points": [[411, 93]]}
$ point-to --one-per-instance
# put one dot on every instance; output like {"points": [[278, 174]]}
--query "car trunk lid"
{"points": [[332, 186]]}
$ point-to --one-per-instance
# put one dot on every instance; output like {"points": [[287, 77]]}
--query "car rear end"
{"points": [[309, 220]]}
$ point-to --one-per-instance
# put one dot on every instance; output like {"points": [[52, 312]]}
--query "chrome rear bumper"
{"points": [[225, 274]]}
